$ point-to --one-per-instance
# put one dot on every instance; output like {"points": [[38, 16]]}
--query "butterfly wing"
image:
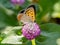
{"points": [[25, 19], [22, 17], [28, 15], [20, 14], [30, 12]]}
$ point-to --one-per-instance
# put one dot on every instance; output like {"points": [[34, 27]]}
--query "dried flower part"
{"points": [[31, 30], [18, 2]]}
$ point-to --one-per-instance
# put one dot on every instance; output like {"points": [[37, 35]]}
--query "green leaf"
{"points": [[49, 35], [46, 6], [50, 27]]}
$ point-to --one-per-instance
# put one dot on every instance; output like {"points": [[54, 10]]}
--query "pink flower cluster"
{"points": [[18, 2], [31, 30]]}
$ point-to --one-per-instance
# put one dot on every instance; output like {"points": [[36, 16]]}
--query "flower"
{"points": [[31, 30], [18, 2]]}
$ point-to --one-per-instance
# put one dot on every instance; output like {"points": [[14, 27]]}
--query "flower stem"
{"points": [[33, 42], [17, 7]]}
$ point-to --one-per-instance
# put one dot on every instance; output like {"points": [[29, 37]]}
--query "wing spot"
{"points": [[32, 16], [27, 15]]}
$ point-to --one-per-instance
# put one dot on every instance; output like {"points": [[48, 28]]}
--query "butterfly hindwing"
{"points": [[20, 14], [30, 11]]}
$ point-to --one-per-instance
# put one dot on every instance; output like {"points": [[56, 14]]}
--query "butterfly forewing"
{"points": [[30, 11]]}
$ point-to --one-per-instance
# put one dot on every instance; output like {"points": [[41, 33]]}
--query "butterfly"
{"points": [[27, 15]]}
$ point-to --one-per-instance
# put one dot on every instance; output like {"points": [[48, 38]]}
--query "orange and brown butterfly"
{"points": [[27, 15]]}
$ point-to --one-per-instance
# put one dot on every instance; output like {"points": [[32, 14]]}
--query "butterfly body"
{"points": [[27, 15]]}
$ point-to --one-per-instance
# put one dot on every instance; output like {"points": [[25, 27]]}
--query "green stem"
{"points": [[33, 42], [17, 7]]}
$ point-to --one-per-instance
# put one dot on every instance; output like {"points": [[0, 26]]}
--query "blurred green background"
{"points": [[47, 16]]}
